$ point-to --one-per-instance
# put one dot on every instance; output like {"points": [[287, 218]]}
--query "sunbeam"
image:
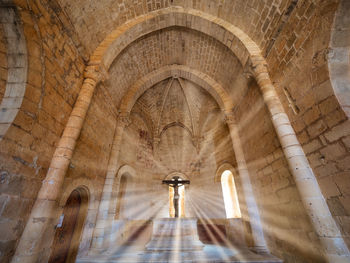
{"points": [[172, 137]]}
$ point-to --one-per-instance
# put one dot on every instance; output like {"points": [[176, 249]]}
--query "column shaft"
{"points": [[156, 143], [252, 208], [32, 244], [311, 195], [103, 232]]}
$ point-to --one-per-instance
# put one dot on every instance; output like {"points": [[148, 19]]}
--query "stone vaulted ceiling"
{"points": [[180, 114], [93, 20], [176, 102], [177, 46]]}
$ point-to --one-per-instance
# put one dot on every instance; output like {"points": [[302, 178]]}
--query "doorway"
{"points": [[68, 231]]}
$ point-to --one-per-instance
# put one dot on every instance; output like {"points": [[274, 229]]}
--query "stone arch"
{"points": [[242, 46], [79, 183], [223, 167], [17, 66], [229, 191], [139, 87], [178, 124], [172, 174], [339, 56], [83, 184], [128, 173], [232, 37], [126, 169]]}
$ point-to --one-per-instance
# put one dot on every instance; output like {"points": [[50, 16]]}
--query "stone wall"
{"points": [[174, 45], [3, 63], [299, 68], [203, 197], [287, 229], [88, 167], [143, 187], [259, 18], [339, 54], [294, 37], [54, 79]]}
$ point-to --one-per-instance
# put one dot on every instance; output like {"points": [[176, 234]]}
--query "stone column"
{"points": [[252, 208], [312, 198], [156, 143], [197, 140], [103, 232], [35, 241]]}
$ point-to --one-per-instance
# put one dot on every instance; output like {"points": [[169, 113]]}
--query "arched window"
{"points": [[230, 195], [121, 196]]}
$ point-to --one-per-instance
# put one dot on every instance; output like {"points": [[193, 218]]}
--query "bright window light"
{"points": [[230, 195]]}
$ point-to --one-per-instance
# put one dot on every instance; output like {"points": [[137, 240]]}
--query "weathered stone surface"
{"points": [[178, 126]]}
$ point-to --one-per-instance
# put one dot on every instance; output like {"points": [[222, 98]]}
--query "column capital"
{"points": [[254, 66], [156, 143], [156, 138], [123, 119], [248, 70], [229, 118], [96, 73]]}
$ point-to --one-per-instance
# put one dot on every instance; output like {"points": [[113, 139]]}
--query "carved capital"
{"points": [[254, 66], [248, 70], [96, 72], [124, 119], [229, 118], [156, 142], [156, 139]]}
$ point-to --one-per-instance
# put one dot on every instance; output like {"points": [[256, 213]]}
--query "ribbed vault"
{"points": [[170, 71], [178, 114], [175, 46]]}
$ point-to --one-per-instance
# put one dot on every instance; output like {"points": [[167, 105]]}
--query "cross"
{"points": [[175, 183]]}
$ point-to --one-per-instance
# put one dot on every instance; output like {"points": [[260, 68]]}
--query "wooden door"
{"points": [[63, 235]]}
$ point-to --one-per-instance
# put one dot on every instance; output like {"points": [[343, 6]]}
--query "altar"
{"points": [[176, 240], [174, 234]]}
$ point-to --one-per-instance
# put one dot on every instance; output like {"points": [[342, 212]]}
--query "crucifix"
{"points": [[175, 183]]}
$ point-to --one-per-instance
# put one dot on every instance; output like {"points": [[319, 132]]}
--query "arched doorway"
{"points": [[70, 226]]}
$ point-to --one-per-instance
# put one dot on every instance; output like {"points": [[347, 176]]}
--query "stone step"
{"points": [[174, 234], [210, 254], [169, 245]]}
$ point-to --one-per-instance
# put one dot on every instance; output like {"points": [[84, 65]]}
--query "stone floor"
{"points": [[177, 240], [210, 253]]}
